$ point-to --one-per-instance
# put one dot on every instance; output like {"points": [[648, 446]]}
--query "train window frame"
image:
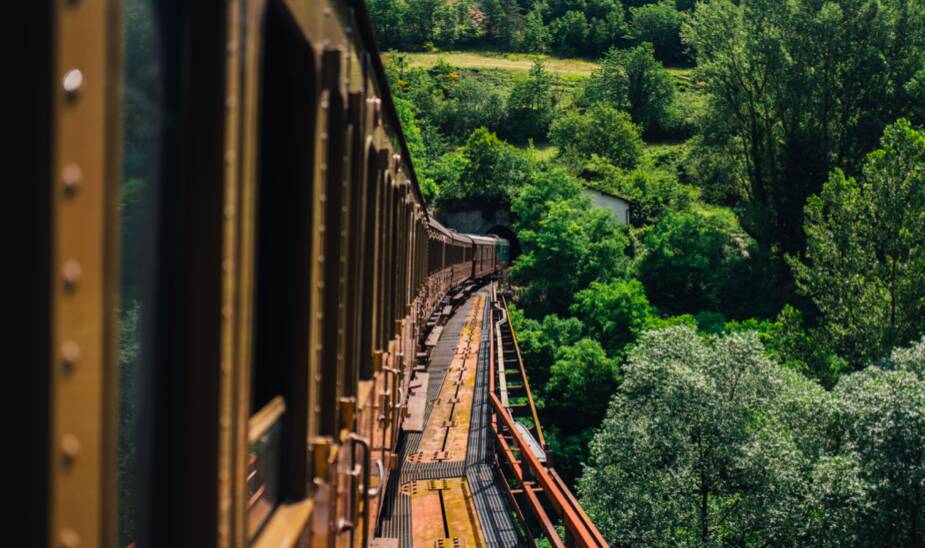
{"points": [[286, 216]]}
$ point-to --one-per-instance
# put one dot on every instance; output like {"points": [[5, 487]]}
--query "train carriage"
{"points": [[259, 244]]}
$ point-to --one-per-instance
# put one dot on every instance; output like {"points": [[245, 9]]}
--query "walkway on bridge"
{"points": [[473, 467], [445, 491]]}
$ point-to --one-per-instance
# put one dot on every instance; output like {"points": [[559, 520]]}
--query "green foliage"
{"points": [[693, 449], [388, 16], [536, 36], [798, 87], [694, 261], [557, 227], [570, 32], [866, 250], [471, 104], [708, 442], [530, 106], [487, 171], [634, 81], [882, 417], [615, 312], [581, 372], [601, 130], [539, 341], [911, 359], [660, 25], [653, 191]]}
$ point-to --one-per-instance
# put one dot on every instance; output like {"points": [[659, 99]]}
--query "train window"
{"points": [[279, 406], [141, 107], [332, 373], [370, 268]]}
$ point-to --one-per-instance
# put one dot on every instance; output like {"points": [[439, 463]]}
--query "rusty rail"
{"points": [[540, 487]]}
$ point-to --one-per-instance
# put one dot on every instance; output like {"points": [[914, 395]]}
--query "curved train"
{"points": [[241, 273]]}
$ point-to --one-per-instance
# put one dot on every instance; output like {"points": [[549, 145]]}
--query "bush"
{"points": [[601, 130]]}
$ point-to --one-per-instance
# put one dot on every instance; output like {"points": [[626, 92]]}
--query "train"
{"points": [[227, 273]]}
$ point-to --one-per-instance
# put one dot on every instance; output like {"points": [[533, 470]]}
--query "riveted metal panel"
{"points": [[84, 281]]}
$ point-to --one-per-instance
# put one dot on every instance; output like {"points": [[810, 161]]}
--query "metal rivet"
{"points": [[327, 12], [70, 448], [72, 81], [70, 354], [71, 176], [69, 538], [71, 273]]}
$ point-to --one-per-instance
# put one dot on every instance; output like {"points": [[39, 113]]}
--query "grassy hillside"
{"points": [[518, 63]]}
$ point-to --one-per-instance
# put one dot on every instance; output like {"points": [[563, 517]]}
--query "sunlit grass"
{"points": [[514, 62]]}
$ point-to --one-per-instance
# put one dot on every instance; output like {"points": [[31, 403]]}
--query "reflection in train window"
{"points": [[141, 114]]}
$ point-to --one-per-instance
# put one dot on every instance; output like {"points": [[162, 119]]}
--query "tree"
{"points": [[570, 32], [633, 80], [471, 104], [615, 312], [882, 417], [799, 87], [608, 28], [660, 25], [539, 341], [581, 372], [695, 449], [653, 190], [693, 261], [504, 21], [418, 22], [866, 250], [536, 37], [555, 231], [488, 172], [388, 17], [601, 130], [530, 105]]}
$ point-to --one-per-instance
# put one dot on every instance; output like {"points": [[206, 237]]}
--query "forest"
{"points": [[744, 362]]}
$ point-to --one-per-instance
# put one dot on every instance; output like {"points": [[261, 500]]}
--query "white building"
{"points": [[620, 207]]}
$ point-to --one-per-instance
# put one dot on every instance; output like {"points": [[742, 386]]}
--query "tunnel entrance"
{"points": [[505, 232]]}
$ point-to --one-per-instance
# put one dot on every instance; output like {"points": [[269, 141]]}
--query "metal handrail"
{"points": [[572, 515], [523, 374]]}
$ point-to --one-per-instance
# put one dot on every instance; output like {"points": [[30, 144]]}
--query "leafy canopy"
{"points": [[866, 250]]}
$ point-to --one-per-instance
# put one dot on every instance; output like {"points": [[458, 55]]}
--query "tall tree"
{"points": [[695, 449], [530, 105], [659, 24], [634, 81], [799, 87], [866, 250]]}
